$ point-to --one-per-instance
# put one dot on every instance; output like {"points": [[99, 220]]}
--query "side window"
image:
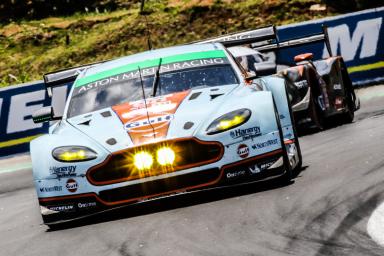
{"points": [[243, 61]]}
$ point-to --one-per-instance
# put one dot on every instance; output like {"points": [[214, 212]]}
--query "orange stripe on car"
{"points": [[150, 121], [289, 141]]}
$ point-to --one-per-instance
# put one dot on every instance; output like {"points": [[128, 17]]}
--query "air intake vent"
{"points": [[194, 96], [214, 96]]}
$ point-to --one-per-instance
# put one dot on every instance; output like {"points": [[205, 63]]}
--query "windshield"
{"points": [[126, 87]]}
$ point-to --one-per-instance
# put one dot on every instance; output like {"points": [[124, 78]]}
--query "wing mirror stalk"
{"points": [[45, 114]]}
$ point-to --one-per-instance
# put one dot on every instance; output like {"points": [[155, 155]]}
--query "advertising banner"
{"points": [[17, 104]]}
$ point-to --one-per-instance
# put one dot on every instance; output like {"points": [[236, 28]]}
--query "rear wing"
{"points": [[58, 79], [64, 76], [267, 34], [266, 39]]}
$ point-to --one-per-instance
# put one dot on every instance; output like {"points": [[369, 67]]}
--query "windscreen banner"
{"points": [[358, 37]]}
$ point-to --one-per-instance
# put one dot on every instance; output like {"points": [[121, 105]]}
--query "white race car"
{"points": [[160, 123]]}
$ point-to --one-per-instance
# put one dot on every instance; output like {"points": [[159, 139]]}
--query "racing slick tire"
{"points": [[287, 176], [297, 168], [317, 118], [349, 114]]}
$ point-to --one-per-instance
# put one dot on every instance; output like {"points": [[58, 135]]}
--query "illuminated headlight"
{"points": [[73, 154], [229, 121], [143, 160], [165, 156]]}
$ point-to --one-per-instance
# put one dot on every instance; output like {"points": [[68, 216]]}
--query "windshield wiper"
{"points": [[157, 79]]}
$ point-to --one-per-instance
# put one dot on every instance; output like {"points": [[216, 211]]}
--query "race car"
{"points": [[318, 89], [157, 124]]}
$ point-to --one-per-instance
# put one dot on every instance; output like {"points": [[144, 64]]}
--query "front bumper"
{"points": [[258, 168]]}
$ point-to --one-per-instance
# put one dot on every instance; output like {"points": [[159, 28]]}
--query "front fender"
{"points": [[277, 86], [41, 153]]}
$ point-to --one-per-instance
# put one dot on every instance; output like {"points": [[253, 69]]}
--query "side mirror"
{"points": [[303, 57], [265, 68], [44, 114]]}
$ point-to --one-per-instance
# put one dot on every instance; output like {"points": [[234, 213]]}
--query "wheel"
{"points": [[287, 176], [349, 115], [294, 156], [296, 150], [315, 115], [291, 150]]}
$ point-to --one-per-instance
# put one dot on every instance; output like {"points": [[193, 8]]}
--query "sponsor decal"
{"points": [[63, 171], [51, 189], [148, 68], [265, 144], [245, 134], [337, 86], [62, 208], [257, 168], [243, 150], [146, 122], [159, 107], [254, 169], [240, 36], [301, 84], [71, 185], [158, 120], [231, 175], [266, 165], [86, 205]]}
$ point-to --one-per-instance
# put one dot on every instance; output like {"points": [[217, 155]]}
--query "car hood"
{"points": [[177, 115]]}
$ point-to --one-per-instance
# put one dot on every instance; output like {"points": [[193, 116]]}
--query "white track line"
{"points": [[15, 163], [375, 225], [15, 168]]}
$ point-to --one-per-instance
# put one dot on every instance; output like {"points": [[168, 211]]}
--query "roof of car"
{"points": [[152, 54]]}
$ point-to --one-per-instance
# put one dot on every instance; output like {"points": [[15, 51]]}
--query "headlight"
{"points": [[229, 121], [165, 156], [143, 160], [73, 154]]}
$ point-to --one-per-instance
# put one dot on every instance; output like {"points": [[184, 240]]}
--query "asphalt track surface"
{"points": [[324, 211]]}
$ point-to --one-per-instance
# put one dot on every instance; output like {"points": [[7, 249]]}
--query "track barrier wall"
{"points": [[358, 37]]}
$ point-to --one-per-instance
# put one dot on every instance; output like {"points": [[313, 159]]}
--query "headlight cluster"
{"points": [[144, 160], [73, 154], [229, 121]]}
